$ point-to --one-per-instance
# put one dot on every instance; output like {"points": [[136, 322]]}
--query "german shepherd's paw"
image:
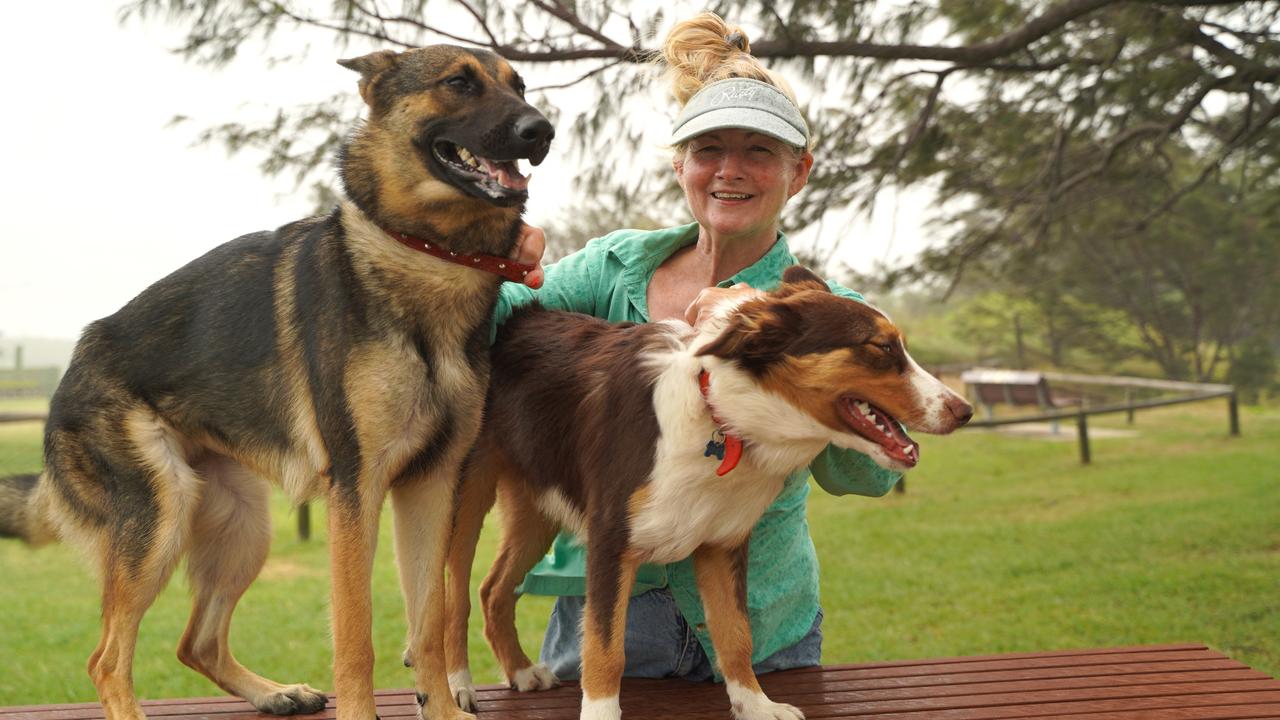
{"points": [[463, 690], [291, 700], [760, 707], [449, 712], [534, 677]]}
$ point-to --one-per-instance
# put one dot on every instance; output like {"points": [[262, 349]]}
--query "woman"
{"points": [[741, 152]]}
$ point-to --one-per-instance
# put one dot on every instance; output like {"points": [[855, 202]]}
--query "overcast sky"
{"points": [[101, 196]]}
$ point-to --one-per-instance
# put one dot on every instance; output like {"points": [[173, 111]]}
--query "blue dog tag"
{"points": [[715, 447]]}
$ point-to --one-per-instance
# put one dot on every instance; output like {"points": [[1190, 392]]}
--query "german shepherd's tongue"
{"points": [[879, 427], [506, 172]]}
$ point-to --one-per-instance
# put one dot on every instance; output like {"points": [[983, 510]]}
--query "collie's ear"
{"points": [[799, 277], [370, 67], [757, 332]]}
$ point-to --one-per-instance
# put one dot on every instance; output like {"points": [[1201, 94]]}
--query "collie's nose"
{"points": [[961, 410]]}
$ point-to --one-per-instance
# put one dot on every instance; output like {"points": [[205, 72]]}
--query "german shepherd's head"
{"points": [[840, 365], [439, 153]]}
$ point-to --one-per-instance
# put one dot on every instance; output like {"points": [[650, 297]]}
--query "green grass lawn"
{"points": [[1001, 544]]}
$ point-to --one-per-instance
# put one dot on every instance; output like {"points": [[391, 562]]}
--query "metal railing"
{"points": [[1196, 392], [21, 417]]}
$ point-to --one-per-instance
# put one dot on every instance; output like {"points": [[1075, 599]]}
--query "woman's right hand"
{"points": [[530, 245]]}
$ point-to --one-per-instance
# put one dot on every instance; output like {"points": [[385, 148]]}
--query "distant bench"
{"points": [[1013, 387]]}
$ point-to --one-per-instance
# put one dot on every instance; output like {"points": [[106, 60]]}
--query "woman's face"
{"points": [[736, 181]]}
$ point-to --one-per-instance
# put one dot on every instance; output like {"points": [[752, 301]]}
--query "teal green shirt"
{"points": [[608, 279]]}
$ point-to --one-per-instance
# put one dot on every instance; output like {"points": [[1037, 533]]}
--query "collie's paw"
{"points": [[757, 706], [534, 677], [602, 709], [463, 689], [291, 700]]}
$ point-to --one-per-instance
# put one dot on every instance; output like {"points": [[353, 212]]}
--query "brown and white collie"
{"points": [[615, 432]]}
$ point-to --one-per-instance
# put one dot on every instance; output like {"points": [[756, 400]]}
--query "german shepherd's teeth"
{"points": [[467, 158]]}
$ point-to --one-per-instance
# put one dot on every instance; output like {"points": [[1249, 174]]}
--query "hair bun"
{"points": [[704, 49]]}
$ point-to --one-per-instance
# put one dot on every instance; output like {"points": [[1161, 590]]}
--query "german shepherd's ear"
{"points": [[370, 67], [757, 332], [799, 277]]}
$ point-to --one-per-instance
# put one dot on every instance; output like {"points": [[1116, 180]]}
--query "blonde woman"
{"points": [[741, 151]]}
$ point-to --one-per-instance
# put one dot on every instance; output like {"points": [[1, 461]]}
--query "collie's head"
{"points": [[832, 369]]}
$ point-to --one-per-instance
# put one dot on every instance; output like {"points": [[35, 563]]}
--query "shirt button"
{"points": [[700, 627]]}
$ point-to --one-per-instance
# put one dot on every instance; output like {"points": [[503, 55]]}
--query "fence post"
{"points": [[1233, 409], [304, 522], [1082, 429], [1128, 400]]}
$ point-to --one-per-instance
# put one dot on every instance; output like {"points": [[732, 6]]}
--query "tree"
{"points": [[1093, 157], [1192, 285], [1074, 86]]}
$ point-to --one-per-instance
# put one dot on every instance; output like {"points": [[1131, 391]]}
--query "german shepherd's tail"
{"points": [[20, 515]]}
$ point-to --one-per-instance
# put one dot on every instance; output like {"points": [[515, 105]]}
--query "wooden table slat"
{"points": [[1220, 712], [791, 682], [1169, 682], [1083, 655], [939, 711], [1082, 662]]}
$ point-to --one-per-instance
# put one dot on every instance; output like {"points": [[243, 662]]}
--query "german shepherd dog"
{"points": [[330, 356], [615, 431]]}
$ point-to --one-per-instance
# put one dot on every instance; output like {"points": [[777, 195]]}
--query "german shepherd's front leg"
{"points": [[609, 581], [722, 583], [423, 508], [353, 537]]}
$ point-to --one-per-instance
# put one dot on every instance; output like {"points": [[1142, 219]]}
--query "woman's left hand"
{"points": [[705, 304], [530, 245]]}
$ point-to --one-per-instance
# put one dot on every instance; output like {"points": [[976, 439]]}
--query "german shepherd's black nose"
{"points": [[533, 131]]}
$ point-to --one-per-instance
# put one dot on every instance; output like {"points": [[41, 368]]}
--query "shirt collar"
{"points": [[641, 258]]}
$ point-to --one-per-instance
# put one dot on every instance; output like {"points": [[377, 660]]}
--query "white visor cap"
{"points": [[744, 104]]}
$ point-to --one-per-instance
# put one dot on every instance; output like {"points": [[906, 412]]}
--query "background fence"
{"points": [[1087, 395]]}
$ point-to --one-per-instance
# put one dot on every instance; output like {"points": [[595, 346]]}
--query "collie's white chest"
{"points": [[686, 505]]}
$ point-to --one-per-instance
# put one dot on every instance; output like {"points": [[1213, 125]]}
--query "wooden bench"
{"points": [[991, 386], [1162, 682]]}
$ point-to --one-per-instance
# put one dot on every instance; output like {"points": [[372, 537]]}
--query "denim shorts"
{"points": [[659, 643]]}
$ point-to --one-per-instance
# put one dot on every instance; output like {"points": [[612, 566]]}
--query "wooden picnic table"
{"points": [[1161, 682]]}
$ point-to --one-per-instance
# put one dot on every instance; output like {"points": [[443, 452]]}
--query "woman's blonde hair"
{"points": [[705, 49]]}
